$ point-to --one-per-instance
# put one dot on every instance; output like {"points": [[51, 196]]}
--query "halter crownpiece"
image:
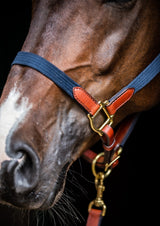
{"points": [[112, 143]]}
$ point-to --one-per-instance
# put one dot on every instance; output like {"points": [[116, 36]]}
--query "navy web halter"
{"points": [[67, 84], [112, 144]]}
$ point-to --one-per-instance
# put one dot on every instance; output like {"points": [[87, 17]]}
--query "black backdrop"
{"points": [[131, 190]]}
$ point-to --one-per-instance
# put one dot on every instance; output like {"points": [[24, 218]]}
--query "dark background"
{"points": [[131, 190]]}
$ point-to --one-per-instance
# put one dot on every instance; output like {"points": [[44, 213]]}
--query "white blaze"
{"points": [[11, 114]]}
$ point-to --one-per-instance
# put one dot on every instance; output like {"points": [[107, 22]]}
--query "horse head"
{"points": [[102, 45]]}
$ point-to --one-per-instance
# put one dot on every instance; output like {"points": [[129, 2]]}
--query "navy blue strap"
{"points": [[132, 122], [143, 78], [146, 75], [46, 68], [67, 84]]}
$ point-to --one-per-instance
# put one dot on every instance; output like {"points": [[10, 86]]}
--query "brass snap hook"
{"points": [[98, 201], [99, 181]]}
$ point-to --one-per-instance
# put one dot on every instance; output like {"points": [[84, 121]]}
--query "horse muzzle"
{"points": [[19, 175], [25, 181]]}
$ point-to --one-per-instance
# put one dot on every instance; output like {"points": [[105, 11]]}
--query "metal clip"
{"points": [[99, 181], [98, 201], [108, 121], [99, 184]]}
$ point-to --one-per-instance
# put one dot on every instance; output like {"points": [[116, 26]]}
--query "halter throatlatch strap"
{"points": [[112, 143]]}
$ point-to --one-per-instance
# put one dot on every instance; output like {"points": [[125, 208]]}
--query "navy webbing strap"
{"points": [[143, 78], [146, 75], [46, 68], [67, 84]]}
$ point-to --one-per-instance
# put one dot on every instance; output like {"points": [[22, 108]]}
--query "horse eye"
{"points": [[122, 4], [117, 1]]}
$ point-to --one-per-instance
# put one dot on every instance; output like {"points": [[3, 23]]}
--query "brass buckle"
{"points": [[108, 121]]}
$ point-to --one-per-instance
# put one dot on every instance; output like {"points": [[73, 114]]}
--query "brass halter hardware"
{"points": [[99, 181], [98, 201], [108, 121], [107, 169]]}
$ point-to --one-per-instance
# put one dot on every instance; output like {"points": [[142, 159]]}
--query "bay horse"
{"points": [[100, 45]]}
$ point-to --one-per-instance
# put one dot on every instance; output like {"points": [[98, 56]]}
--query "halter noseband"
{"points": [[112, 143]]}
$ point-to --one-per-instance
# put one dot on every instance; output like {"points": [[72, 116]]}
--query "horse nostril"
{"points": [[23, 170]]}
